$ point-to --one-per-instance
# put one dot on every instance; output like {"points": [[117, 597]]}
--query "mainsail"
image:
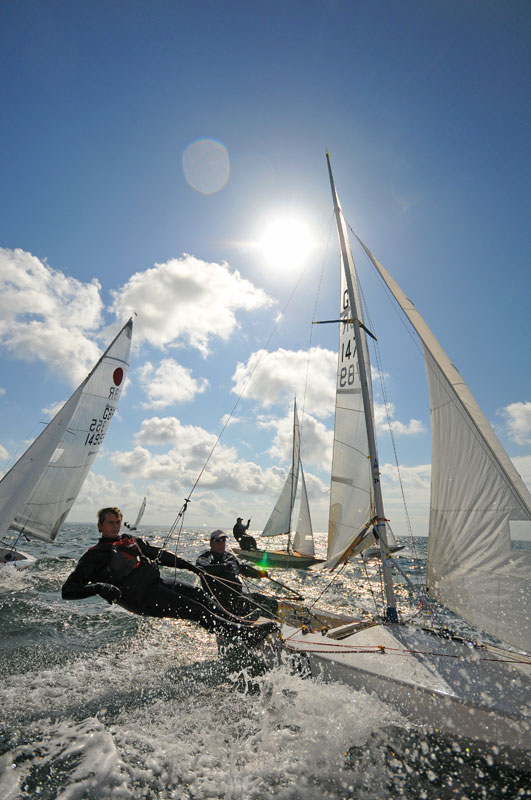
{"points": [[281, 517], [38, 492], [349, 524], [279, 521], [303, 539]]}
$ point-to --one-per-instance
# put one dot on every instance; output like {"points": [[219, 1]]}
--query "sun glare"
{"points": [[286, 242]]}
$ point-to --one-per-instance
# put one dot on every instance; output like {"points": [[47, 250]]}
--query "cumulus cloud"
{"points": [[518, 419], [276, 377], [4, 455], [168, 384], [200, 302], [316, 440], [190, 449], [47, 315], [413, 427]]}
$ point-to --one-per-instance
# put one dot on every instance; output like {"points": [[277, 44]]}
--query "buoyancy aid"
{"points": [[126, 556]]}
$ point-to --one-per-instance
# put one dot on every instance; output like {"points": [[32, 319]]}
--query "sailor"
{"points": [[245, 541], [220, 576], [125, 569]]}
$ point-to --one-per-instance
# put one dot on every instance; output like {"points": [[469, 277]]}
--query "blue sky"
{"points": [[114, 111]]}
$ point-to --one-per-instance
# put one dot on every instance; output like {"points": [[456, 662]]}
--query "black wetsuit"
{"points": [[227, 587], [245, 541], [128, 563]]}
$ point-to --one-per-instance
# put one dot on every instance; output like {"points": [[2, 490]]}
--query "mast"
{"points": [[293, 481], [348, 265]]}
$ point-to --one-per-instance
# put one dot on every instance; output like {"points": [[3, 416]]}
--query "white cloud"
{"points": [[98, 492], [272, 378], [168, 384], [227, 419], [316, 440], [413, 427], [518, 418], [199, 302], [2, 391], [4, 455], [47, 315]]}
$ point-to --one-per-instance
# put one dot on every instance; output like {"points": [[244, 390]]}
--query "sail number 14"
{"points": [[98, 427]]}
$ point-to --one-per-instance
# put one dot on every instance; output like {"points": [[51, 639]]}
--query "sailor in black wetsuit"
{"points": [[239, 532], [221, 571], [124, 569]]}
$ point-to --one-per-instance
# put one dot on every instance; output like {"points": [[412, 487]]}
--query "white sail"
{"points": [[477, 498], [303, 539], [20, 481], [48, 477], [447, 683], [349, 528], [140, 513], [279, 521]]}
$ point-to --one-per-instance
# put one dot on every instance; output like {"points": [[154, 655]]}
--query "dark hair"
{"points": [[102, 513]]}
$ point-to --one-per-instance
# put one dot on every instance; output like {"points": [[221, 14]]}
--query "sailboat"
{"points": [[38, 492], [299, 554], [139, 516], [476, 689]]}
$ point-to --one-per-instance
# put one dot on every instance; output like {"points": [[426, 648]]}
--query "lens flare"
{"points": [[206, 165]]}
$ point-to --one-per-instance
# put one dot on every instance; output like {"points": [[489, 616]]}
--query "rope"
{"points": [[395, 651], [336, 575], [238, 594]]}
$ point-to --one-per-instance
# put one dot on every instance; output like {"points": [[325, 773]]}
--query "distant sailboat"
{"points": [[478, 502], [299, 554], [139, 516], [38, 492]]}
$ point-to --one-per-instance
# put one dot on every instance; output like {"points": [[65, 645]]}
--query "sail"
{"points": [[140, 513], [350, 488], [303, 539], [279, 521], [20, 481], [478, 500], [66, 449]]}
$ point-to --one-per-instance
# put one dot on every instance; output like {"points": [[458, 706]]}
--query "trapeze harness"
{"points": [[126, 558]]}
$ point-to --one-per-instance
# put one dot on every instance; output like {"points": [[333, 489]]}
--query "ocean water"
{"points": [[98, 703]]}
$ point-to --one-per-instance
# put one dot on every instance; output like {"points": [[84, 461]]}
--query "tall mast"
{"points": [[348, 265], [294, 481]]}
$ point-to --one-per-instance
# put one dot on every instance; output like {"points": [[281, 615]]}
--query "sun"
{"points": [[286, 242]]}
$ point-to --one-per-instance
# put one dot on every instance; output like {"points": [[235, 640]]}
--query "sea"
{"points": [[99, 703]]}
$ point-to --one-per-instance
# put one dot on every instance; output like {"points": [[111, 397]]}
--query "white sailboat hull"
{"points": [[446, 685], [16, 559]]}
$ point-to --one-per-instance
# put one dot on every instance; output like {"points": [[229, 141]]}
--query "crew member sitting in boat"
{"points": [[245, 541], [125, 569], [220, 576]]}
